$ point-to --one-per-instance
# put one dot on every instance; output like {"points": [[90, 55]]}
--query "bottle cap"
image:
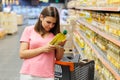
{"points": [[65, 32]]}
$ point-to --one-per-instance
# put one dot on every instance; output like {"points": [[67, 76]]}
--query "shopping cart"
{"points": [[71, 69]]}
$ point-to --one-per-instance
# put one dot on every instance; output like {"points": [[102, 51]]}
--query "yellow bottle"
{"points": [[59, 38]]}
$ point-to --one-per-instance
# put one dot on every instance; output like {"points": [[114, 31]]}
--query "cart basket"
{"points": [[82, 70]]}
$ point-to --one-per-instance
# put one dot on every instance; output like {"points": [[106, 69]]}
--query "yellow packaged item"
{"points": [[59, 38]]}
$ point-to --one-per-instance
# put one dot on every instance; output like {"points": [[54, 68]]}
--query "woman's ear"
{"points": [[41, 17]]}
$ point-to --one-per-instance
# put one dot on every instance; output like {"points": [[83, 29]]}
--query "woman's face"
{"points": [[48, 22]]}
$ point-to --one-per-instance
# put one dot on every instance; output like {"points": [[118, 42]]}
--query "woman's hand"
{"points": [[62, 43], [48, 48]]}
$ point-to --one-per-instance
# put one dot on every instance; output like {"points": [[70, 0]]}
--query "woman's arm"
{"points": [[26, 53], [59, 52]]}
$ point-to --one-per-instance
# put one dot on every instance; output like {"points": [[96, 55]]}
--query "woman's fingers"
{"points": [[62, 43]]}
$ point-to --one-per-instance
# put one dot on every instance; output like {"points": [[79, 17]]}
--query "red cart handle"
{"points": [[70, 64]]}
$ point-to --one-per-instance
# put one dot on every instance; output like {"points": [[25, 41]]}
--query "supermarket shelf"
{"points": [[79, 49], [115, 9], [103, 34], [100, 55]]}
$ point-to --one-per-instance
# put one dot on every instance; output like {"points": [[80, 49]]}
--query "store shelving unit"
{"points": [[103, 34], [97, 51], [79, 49], [114, 9], [100, 55]]}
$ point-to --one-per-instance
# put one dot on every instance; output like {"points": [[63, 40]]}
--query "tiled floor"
{"points": [[10, 62]]}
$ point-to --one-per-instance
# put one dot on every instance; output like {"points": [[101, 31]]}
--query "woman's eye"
{"points": [[48, 22]]}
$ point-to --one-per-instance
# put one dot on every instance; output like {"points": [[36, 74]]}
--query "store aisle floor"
{"points": [[10, 62]]}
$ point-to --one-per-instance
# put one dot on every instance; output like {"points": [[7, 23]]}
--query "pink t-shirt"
{"points": [[42, 65]]}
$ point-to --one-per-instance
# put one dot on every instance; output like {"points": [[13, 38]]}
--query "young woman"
{"points": [[37, 54]]}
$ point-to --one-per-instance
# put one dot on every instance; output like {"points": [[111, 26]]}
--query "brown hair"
{"points": [[52, 12]]}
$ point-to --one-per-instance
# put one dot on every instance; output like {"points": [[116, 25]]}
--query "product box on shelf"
{"points": [[8, 22], [19, 20], [2, 33]]}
